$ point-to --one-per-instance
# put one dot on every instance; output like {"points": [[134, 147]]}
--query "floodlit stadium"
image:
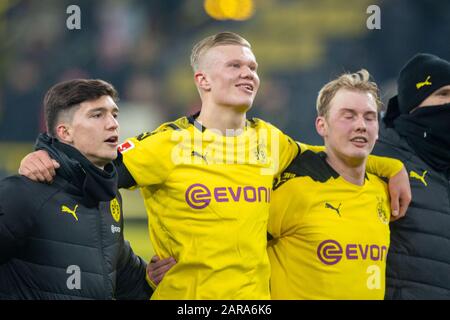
{"points": [[143, 48]]}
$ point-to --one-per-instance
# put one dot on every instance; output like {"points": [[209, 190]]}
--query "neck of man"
{"points": [[352, 170], [99, 164], [226, 119]]}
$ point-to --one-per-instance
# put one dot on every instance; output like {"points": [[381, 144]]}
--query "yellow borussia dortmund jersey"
{"points": [[330, 237], [207, 198]]}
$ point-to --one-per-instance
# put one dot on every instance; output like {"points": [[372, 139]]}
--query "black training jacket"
{"points": [[418, 263], [58, 242]]}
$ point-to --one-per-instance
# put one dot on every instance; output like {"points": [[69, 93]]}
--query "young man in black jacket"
{"points": [[417, 131], [65, 240]]}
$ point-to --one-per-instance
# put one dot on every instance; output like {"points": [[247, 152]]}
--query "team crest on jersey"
{"points": [[127, 145], [381, 211], [260, 152], [115, 209]]}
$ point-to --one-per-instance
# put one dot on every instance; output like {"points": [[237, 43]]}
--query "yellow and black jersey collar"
{"points": [[193, 120], [308, 164]]}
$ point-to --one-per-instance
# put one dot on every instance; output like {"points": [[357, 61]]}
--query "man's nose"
{"points": [[361, 124], [247, 73], [112, 123]]}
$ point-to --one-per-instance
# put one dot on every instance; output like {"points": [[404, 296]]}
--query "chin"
{"points": [[354, 155], [107, 158], [245, 106], [243, 102], [359, 156], [111, 157]]}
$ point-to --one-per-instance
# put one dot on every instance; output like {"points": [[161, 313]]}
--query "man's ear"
{"points": [[64, 133], [321, 126], [202, 81]]}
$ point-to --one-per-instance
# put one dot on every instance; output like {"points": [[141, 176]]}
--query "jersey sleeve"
{"points": [[148, 158], [286, 147], [304, 147], [383, 167]]}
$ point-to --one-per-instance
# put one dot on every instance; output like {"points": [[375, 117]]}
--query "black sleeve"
{"points": [[126, 180], [16, 216], [131, 281]]}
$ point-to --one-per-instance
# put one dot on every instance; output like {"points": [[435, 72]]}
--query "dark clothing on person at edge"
{"points": [[65, 240], [418, 262]]}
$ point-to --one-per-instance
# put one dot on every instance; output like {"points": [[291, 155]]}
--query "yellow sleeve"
{"points": [[304, 147], [383, 167], [148, 157], [287, 149]]}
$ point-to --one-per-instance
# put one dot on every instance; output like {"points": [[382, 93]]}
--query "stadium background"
{"points": [[143, 48]]}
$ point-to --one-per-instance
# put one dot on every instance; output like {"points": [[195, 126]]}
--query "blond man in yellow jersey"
{"points": [[329, 217], [206, 180]]}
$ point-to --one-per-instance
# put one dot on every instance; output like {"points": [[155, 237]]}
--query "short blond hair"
{"points": [[222, 38], [359, 81]]}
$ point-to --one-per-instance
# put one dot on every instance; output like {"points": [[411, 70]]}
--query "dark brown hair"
{"points": [[64, 96]]}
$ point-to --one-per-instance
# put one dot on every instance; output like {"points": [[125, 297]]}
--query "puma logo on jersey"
{"points": [[424, 83], [415, 175], [72, 212], [329, 206], [196, 154]]}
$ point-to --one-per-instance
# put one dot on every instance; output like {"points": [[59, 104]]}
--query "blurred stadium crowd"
{"points": [[143, 48]]}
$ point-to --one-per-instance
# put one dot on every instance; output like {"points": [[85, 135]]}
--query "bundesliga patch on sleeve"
{"points": [[127, 145]]}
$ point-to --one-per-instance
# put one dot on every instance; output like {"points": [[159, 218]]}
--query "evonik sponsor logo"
{"points": [[330, 252], [199, 196]]}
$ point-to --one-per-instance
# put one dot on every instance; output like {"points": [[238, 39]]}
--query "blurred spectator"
{"points": [[271, 103], [152, 36], [140, 110], [22, 99]]}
